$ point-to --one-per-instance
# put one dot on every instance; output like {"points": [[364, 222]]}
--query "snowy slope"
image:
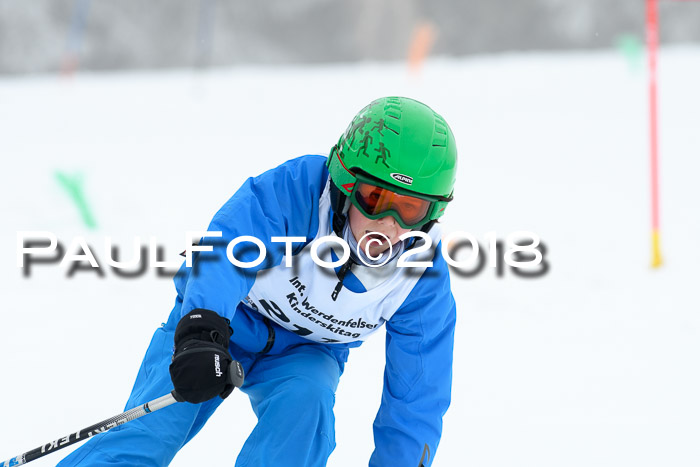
{"points": [[592, 364]]}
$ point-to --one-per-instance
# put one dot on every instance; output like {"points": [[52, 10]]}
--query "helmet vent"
{"points": [[440, 133], [393, 126], [392, 108]]}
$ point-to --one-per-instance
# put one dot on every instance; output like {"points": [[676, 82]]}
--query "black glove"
{"points": [[202, 367]]}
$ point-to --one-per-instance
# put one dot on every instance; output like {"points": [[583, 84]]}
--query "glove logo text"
{"points": [[217, 366]]}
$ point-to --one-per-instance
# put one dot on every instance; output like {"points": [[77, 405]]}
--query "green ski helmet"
{"points": [[398, 144]]}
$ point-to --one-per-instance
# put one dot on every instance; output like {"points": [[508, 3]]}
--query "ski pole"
{"points": [[85, 433]]}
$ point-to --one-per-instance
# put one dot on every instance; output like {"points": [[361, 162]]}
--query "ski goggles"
{"points": [[376, 199]]}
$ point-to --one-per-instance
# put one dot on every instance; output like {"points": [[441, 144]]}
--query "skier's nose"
{"points": [[387, 221]]}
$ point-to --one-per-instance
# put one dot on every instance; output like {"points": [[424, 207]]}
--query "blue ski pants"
{"points": [[291, 389]]}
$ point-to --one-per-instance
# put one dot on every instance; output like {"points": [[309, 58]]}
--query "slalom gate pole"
{"points": [[90, 431], [652, 31]]}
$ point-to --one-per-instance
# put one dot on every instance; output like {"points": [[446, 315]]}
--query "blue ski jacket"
{"points": [[284, 201]]}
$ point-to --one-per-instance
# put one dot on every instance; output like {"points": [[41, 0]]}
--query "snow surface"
{"points": [[593, 364]]}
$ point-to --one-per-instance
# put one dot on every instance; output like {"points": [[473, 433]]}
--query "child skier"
{"points": [[290, 328]]}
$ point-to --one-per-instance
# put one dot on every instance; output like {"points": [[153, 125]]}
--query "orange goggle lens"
{"points": [[375, 200]]}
